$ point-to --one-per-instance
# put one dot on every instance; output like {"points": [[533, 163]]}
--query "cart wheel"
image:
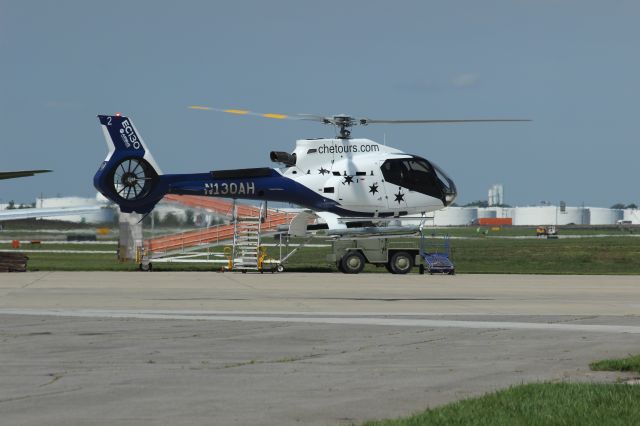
{"points": [[421, 269], [353, 263], [146, 267], [452, 272], [280, 268], [401, 263], [339, 266]]}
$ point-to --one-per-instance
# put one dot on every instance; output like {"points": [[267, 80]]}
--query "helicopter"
{"points": [[340, 177]]}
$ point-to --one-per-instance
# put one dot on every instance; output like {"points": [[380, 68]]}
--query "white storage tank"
{"points": [[631, 215], [533, 216], [504, 212], [455, 216], [604, 216], [573, 216], [549, 215], [487, 212]]}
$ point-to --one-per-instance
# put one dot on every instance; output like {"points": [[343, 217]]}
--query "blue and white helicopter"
{"points": [[341, 178]]}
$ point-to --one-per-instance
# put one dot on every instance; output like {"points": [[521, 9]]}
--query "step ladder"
{"points": [[246, 241]]}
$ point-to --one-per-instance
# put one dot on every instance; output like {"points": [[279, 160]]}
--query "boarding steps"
{"points": [[184, 242], [246, 244]]}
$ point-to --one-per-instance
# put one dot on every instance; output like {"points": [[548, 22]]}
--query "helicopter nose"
{"points": [[449, 191], [450, 194]]}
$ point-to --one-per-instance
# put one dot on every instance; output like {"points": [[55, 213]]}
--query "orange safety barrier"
{"points": [[217, 205], [216, 233], [493, 221]]}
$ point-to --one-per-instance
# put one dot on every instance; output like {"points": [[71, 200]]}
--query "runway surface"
{"points": [[212, 348]]}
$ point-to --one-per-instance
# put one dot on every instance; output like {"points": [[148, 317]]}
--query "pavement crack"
{"points": [[573, 319], [273, 361], [243, 284], [54, 378], [46, 274], [19, 398], [421, 342]]}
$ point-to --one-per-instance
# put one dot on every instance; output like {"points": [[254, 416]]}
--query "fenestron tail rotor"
{"points": [[132, 179], [345, 122]]}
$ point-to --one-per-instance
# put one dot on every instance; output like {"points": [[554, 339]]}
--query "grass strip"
{"points": [[609, 255], [537, 404], [631, 363]]}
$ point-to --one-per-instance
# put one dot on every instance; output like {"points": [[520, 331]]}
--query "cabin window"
{"points": [[413, 174]]}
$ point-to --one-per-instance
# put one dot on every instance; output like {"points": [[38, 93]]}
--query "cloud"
{"points": [[465, 80]]}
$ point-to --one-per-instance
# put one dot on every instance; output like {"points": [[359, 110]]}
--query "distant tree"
{"points": [[631, 206], [617, 206], [146, 221], [477, 203], [11, 205], [189, 216], [171, 219]]}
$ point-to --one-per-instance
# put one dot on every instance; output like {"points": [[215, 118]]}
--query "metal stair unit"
{"points": [[246, 240]]}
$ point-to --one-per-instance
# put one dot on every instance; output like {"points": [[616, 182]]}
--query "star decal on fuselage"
{"points": [[348, 180], [399, 196], [373, 188], [323, 171]]}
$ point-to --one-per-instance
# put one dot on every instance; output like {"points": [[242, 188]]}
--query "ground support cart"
{"points": [[436, 253]]}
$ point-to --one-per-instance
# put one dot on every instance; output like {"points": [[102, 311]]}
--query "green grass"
{"points": [[631, 363], [530, 231], [537, 404], [476, 254], [608, 255]]}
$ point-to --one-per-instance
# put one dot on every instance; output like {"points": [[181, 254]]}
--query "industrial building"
{"points": [[538, 215], [451, 216]]}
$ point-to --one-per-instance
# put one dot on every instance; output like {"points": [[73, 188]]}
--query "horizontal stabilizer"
{"points": [[21, 173]]}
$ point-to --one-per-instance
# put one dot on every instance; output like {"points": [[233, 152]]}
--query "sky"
{"points": [[570, 66]]}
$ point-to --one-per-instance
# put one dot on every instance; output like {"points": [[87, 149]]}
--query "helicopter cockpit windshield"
{"points": [[418, 174]]}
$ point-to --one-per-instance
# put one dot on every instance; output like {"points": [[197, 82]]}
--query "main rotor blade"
{"points": [[345, 121], [257, 114], [365, 121]]}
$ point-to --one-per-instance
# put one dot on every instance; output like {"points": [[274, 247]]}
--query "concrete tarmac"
{"points": [[209, 348]]}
